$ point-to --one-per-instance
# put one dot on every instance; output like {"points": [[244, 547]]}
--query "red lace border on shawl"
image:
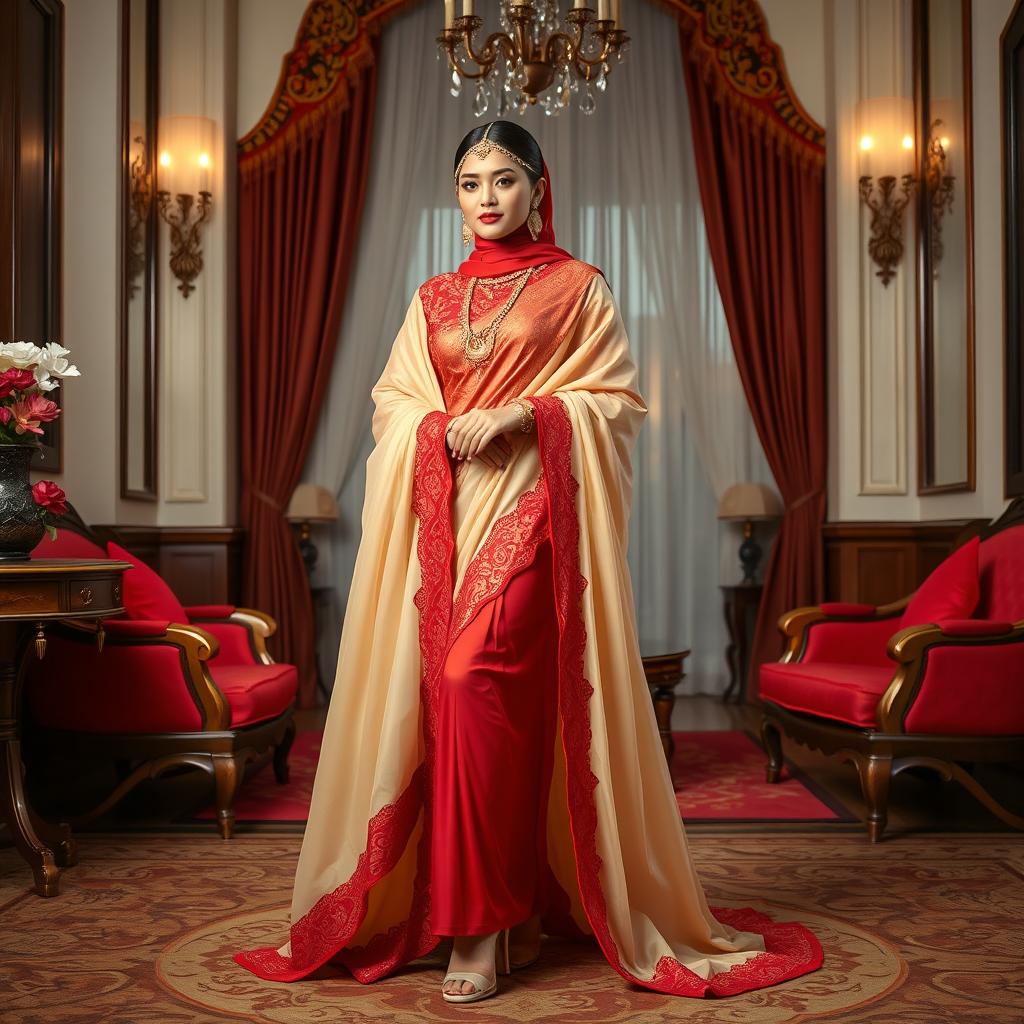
{"points": [[791, 949]]}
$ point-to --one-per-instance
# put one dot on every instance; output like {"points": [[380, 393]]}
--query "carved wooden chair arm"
{"points": [[909, 648]]}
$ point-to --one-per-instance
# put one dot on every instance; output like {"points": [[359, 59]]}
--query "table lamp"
{"points": [[749, 503], [310, 503]]}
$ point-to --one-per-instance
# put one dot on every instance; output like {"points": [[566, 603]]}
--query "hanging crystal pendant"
{"points": [[522, 102], [587, 104], [501, 102], [456, 87], [480, 100], [519, 77], [601, 82]]}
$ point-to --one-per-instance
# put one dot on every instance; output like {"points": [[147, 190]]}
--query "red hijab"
{"points": [[517, 250]]}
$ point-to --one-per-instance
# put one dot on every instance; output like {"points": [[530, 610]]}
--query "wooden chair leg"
{"points": [[281, 772], [875, 773], [772, 740], [226, 776]]}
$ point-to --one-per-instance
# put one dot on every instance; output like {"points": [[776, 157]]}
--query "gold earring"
{"points": [[533, 222], [467, 233]]}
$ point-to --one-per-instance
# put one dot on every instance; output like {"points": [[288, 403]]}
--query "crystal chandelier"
{"points": [[534, 60]]}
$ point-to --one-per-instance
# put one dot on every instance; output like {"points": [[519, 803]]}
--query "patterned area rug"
{"points": [[916, 930], [719, 778]]}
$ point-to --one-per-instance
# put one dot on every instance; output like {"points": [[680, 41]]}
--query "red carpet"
{"points": [[719, 776]]}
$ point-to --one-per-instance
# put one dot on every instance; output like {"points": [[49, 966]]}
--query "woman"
{"points": [[491, 766]]}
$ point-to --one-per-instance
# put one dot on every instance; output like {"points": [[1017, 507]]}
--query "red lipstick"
{"points": [[490, 218]]}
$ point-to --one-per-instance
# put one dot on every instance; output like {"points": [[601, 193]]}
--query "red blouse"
{"points": [[535, 326]]}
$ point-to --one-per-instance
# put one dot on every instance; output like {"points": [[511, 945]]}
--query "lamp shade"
{"points": [[185, 153], [312, 503], [749, 501], [885, 135]]}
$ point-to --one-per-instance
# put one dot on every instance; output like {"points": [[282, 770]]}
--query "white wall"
{"points": [[91, 152], [266, 32], [197, 436], [873, 436], [798, 26]]}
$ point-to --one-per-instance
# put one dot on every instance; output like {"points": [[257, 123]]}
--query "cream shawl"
{"points": [[616, 845]]}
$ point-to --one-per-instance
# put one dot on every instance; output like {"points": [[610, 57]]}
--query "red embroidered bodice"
{"points": [[526, 338]]}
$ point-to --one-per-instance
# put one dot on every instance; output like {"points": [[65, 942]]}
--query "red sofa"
{"points": [[196, 687], [860, 683]]}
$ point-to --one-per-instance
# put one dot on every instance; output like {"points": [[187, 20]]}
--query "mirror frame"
{"points": [[1012, 89], [148, 274], [926, 412]]}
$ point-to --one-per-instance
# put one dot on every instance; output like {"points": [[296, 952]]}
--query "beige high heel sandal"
{"points": [[484, 986]]}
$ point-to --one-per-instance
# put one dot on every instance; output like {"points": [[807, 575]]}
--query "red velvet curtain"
{"points": [[301, 192], [763, 193]]}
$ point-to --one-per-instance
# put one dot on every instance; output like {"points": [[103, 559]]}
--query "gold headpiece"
{"points": [[482, 148]]}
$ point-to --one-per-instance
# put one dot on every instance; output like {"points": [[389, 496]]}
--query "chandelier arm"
{"points": [[570, 46], [588, 63]]}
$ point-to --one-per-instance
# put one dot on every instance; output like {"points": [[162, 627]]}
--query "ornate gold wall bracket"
{"points": [[184, 215], [939, 186], [886, 205]]}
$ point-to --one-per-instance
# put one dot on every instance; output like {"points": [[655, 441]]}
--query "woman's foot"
{"points": [[471, 953], [524, 942]]}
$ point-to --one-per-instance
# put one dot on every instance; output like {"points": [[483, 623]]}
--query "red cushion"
{"points": [[67, 545], [846, 693], [1001, 571], [146, 596], [256, 692], [950, 592], [127, 688]]}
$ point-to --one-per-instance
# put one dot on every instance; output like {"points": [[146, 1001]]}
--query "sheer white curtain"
{"points": [[626, 199]]}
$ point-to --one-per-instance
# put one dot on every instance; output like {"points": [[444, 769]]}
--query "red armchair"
{"points": [[941, 695], [195, 687]]}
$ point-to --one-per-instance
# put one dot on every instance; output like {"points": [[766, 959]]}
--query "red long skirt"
{"points": [[497, 715]]}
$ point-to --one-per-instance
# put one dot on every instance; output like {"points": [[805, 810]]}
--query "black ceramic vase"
{"points": [[21, 527]]}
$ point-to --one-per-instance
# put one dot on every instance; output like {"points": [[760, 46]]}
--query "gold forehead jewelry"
{"points": [[482, 148]]}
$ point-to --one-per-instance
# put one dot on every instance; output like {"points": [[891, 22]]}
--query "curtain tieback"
{"points": [[266, 498], [803, 499]]}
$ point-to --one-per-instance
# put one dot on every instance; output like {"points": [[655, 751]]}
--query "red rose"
{"points": [[49, 496], [16, 380]]}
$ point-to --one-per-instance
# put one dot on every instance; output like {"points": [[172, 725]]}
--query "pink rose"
{"points": [[49, 496], [32, 410]]}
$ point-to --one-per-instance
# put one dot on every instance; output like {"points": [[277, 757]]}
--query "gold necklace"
{"points": [[478, 345]]}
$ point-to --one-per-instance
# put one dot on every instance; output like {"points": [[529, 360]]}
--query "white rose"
{"points": [[52, 360], [18, 353]]}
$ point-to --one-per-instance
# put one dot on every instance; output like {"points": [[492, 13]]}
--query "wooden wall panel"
{"points": [[882, 562], [202, 565]]}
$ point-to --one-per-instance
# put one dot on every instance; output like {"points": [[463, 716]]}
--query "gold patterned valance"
{"points": [[332, 47], [730, 40]]}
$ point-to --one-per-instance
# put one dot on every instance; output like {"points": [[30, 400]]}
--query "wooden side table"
{"points": [[740, 600], [664, 673], [32, 593]]}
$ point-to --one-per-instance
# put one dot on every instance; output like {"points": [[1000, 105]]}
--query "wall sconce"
{"points": [[184, 199], [887, 157], [938, 184], [140, 202]]}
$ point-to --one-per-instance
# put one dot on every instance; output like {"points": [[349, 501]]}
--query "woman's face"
{"points": [[495, 185]]}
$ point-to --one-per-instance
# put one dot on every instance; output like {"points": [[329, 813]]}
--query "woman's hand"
{"points": [[472, 432]]}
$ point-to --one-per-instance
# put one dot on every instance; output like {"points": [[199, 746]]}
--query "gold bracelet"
{"points": [[526, 414]]}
